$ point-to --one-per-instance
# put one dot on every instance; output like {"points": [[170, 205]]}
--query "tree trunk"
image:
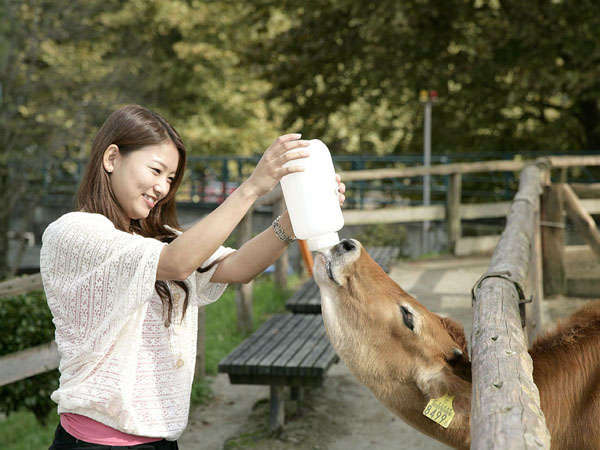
{"points": [[243, 292], [589, 116], [4, 223]]}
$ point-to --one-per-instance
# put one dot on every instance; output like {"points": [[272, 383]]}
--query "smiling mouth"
{"points": [[149, 200]]}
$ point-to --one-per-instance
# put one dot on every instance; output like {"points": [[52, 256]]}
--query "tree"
{"points": [[64, 66], [510, 75]]}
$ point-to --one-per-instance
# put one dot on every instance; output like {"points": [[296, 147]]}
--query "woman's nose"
{"points": [[161, 189]]}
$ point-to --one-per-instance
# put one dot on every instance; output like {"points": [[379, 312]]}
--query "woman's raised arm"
{"points": [[189, 250]]}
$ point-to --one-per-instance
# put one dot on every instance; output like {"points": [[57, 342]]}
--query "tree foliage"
{"points": [[231, 76], [64, 66], [510, 74]]}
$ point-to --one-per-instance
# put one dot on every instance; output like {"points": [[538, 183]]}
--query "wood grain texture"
{"points": [[27, 363], [21, 285], [553, 240], [584, 222], [505, 411], [453, 198]]}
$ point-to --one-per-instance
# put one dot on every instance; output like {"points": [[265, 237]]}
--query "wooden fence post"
{"points": [[553, 241], [243, 292], [505, 407], [584, 223], [535, 317], [453, 197]]}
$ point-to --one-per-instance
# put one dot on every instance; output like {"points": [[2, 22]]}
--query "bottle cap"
{"points": [[323, 241]]}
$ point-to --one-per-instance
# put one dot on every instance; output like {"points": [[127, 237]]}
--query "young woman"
{"points": [[124, 283]]}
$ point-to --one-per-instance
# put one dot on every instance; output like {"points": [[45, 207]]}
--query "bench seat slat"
{"points": [[292, 358], [327, 358], [288, 349], [262, 361], [288, 346], [237, 359], [308, 367], [268, 342], [242, 348], [300, 363]]}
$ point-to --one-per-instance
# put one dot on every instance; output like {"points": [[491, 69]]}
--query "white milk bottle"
{"points": [[312, 198]]}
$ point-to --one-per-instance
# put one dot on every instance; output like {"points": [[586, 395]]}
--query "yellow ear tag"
{"points": [[440, 410]]}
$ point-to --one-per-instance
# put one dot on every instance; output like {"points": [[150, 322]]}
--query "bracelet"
{"points": [[280, 233]]}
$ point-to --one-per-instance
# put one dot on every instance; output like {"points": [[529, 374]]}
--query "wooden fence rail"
{"points": [[454, 211], [505, 407], [32, 361], [472, 167], [21, 285]]}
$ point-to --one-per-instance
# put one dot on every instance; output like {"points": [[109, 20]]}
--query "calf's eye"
{"points": [[408, 318]]}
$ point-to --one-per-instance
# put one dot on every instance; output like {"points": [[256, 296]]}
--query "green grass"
{"points": [[21, 431], [221, 334]]}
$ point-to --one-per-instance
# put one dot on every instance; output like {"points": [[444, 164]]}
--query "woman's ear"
{"points": [[110, 157]]}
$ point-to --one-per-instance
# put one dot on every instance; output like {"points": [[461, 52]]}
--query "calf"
{"points": [[407, 355]]}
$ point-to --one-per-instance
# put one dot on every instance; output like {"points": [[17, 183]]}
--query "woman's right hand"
{"points": [[270, 170]]}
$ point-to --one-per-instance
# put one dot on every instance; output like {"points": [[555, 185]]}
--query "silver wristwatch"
{"points": [[280, 233]]}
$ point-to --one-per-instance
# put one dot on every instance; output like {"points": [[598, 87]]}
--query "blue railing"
{"points": [[209, 179]]}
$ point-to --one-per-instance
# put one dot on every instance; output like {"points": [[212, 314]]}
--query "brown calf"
{"points": [[408, 355]]}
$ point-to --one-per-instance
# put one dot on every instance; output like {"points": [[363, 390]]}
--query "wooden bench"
{"points": [[290, 349], [287, 350], [307, 299]]}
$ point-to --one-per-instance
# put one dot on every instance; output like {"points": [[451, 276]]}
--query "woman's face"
{"points": [[141, 178]]}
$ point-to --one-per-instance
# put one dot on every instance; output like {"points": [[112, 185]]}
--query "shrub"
{"points": [[382, 234], [27, 322]]}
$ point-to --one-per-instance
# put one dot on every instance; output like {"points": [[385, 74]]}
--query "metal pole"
{"points": [[426, 178]]}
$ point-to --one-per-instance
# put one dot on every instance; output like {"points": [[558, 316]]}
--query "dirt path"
{"points": [[342, 414]]}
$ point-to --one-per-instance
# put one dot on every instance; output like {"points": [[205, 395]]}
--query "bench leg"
{"points": [[277, 413], [298, 396], [297, 393]]}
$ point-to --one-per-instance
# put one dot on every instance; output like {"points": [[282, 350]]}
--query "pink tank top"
{"points": [[89, 430]]}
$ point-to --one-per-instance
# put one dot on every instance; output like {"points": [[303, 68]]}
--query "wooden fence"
{"points": [[35, 360], [454, 211], [505, 407]]}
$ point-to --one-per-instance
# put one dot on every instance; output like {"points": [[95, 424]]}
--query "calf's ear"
{"points": [[459, 364], [441, 381], [446, 382], [457, 333]]}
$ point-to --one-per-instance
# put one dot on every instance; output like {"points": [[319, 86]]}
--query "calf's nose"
{"points": [[346, 245]]}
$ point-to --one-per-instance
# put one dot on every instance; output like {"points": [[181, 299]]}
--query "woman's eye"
{"points": [[171, 179], [157, 171]]}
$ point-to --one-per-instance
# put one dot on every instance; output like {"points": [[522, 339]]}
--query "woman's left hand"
{"points": [[341, 189]]}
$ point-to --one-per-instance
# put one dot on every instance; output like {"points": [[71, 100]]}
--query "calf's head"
{"points": [[388, 339]]}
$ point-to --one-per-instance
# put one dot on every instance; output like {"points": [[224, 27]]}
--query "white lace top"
{"points": [[119, 365]]}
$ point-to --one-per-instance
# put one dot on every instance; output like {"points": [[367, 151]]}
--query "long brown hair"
{"points": [[131, 128]]}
